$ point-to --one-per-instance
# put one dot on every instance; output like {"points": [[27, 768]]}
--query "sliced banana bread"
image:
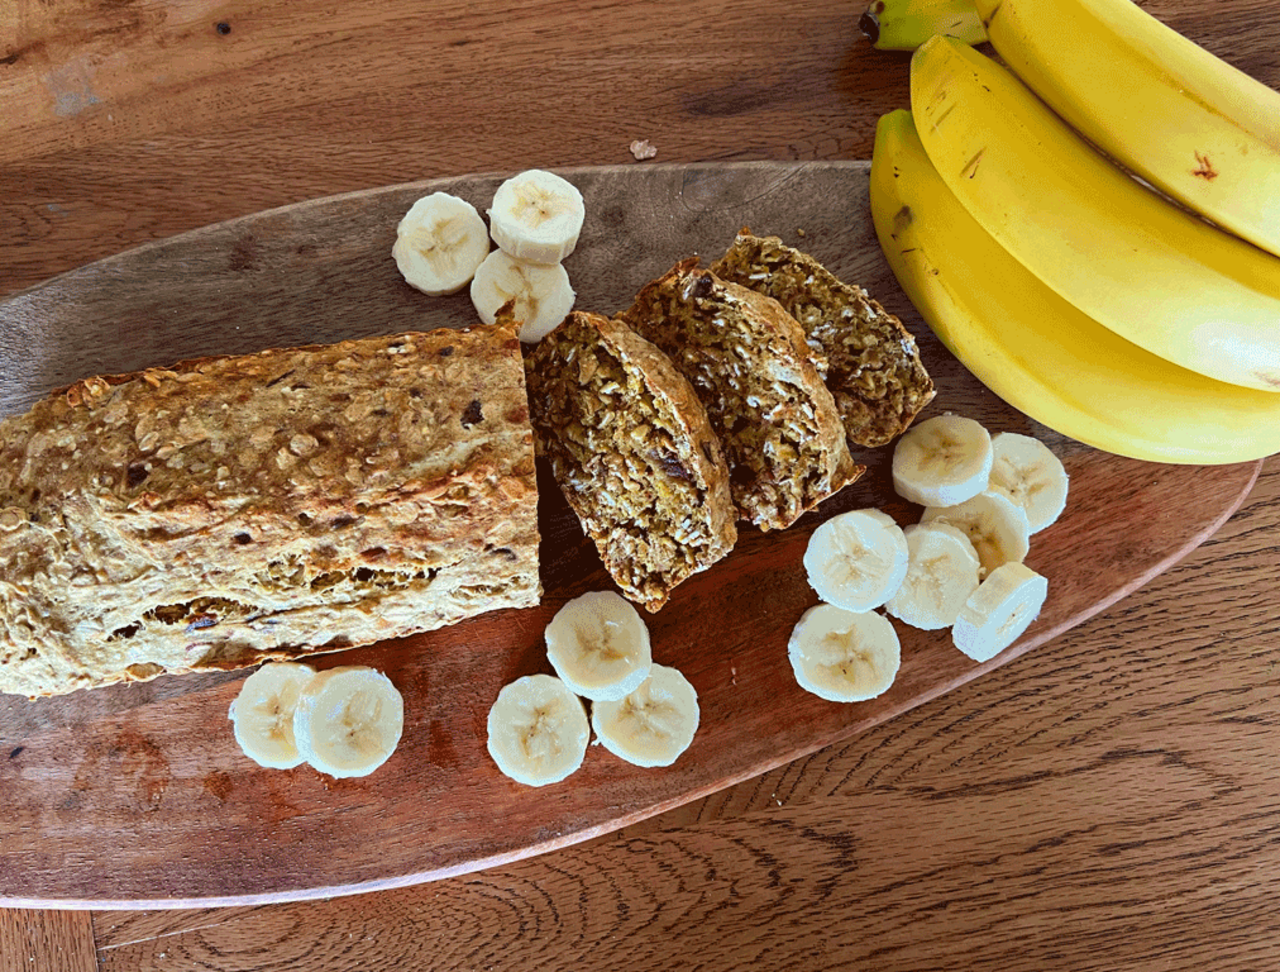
{"points": [[630, 445], [748, 362], [873, 367], [229, 510]]}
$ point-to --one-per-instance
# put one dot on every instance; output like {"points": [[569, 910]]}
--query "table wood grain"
{"points": [[1110, 801]]}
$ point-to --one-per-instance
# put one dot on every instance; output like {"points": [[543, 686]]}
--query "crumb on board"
{"points": [[643, 149]]}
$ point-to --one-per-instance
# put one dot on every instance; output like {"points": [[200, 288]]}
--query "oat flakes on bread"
{"points": [[631, 448], [234, 509], [873, 367], [747, 359]]}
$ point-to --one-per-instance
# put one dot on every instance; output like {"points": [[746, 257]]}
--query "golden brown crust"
{"points": [[629, 444], [232, 509], [749, 364], [869, 360]]}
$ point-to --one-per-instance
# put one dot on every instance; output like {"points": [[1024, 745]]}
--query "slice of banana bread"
{"points": [[630, 446], [748, 361], [872, 365]]}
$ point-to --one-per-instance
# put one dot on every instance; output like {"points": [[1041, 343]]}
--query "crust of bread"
{"points": [[748, 361], [630, 446], [867, 358], [230, 510]]}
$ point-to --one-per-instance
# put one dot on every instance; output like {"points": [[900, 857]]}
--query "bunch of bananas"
{"points": [[1108, 311]]}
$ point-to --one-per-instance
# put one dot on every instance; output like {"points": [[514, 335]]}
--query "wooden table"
{"points": [[1109, 801]]}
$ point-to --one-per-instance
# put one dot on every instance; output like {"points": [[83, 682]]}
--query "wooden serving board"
{"points": [[137, 796]]}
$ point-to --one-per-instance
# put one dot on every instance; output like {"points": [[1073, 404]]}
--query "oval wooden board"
{"points": [[136, 796]]}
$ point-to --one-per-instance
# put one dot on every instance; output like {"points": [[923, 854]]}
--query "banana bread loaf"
{"points": [[631, 448], [749, 364], [872, 365], [234, 509]]}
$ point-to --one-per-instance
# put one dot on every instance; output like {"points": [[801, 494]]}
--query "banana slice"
{"points": [[536, 216], [1028, 473], [542, 293], [856, 560], [439, 244], [998, 529], [844, 656], [262, 713], [999, 611], [654, 724], [942, 461], [538, 730], [941, 574], [348, 720], [599, 646]]}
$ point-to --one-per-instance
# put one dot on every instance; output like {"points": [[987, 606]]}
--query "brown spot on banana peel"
{"points": [[938, 121], [971, 167], [903, 217], [1204, 168], [986, 21]]}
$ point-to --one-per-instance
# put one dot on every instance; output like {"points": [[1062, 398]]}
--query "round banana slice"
{"points": [[844, 656], [942, 461], [998, 529], [599, 646], [542, 294], [538, 730], [348, 720], [654, 724], [536, 216], [1027, 472], [856, 560], [941, 574], [262, 713], [999, 611], [439, 244]]}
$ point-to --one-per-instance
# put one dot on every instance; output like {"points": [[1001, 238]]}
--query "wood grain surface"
{"points": [[1106, 802], [119, 785]]}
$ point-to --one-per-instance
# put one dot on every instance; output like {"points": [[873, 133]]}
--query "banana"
{"points": [[599, 646], [1027, 472], [654, 724], [538, 730], [999, 611], [542, 293], [942, 573], [536, 216], [1033, 348], [1149, 270], [903, 25], [439, 244], [1188, 122], [995, 525], [262, 713], [844, 656], [942, 461], [348, 720], [856, 560]]}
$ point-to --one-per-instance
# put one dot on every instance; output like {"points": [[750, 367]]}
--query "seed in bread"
{"points": [[631, 448], [747, 360], [230, 510], [873, 367]]}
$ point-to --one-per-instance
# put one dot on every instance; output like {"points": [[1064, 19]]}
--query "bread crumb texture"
{"points": [[867, 358], [233, 509], [631, 448], [748, 361]]}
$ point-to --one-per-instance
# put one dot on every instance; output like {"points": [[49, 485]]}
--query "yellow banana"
{"points": [[1034, 349], [903, 25], [1186, 121], [1126, 256]]}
